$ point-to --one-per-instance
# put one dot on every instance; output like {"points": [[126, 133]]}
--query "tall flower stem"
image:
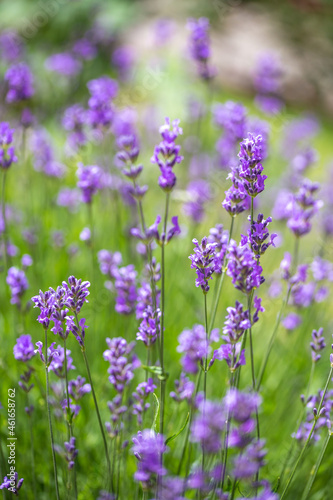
{"points": [[314, 472], [163, 378], [33, 469], [97, 412], [69, 421], [299, 421], [298, 461], [224, 457], [278, 319], [205, 371], [3, 213], [218, 295], [50, 420]]}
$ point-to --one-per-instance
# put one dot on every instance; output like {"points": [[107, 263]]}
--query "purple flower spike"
{"points": [[7, 152], [24, 348], [90, 181], [148, 448], [140, 396], [166, 154], [184, 389], [20, 83], [207, 427], [18, 283], [12, 483], [258, 236], [194, 346], [203, 261], [71, 452], [250, 172], [243, 268], [199, 45], [317, 344]]}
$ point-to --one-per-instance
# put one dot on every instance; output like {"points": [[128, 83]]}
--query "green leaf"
{"points": [[157, 412], [171, 438]]}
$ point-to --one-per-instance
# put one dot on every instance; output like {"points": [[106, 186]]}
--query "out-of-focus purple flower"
{"points": [[20, 83], [78, 388], [258, 236], [303, 208], [64, 64], [51, 352], [317, 344], [281, 209], [71, 452], [24, 348], [194, 346], [199, 46], [7, 152], [125, 285], [166, 154], [311, 404], [12, 483], [85, 235], [304, 159], [208, 425], [203, 261], [101, 111], [260, 127], [322, 269], [121, 368], [163, 30], [198, 192], [250, 172], [89, 181], [243, 268], [27, 118], [84, 49], [18, 283], [236, 198], [247, 464], [267, 83], [74, 120], [123, 59], [303, 294], [140, 396], [184, 389], [26, 261], [11, 46], [232, 354], [241, 405], [43, 154], [69, 198], [237, 322], [148, 448], [297, 134], [57, 365], [109, 262], [291, 321], [145, 296]]}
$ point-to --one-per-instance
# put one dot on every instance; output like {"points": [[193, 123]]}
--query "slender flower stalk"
{"points": [[316, 417], [3, 213], [314, 471], [49, 418]]}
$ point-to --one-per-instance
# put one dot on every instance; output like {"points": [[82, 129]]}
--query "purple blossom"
{"points": [[243, 268], [203, 261], [78, 388], [84, 49], [24, 348], [236, 200], [71, 452], [109, 262], [79, 331], [85, 235], [145, 296], [76, 292], [43, 154], [121, 368], [125, 286], [69, 198], [303, 208], [241, 404], [199, 193], [221, 237], [166, 154], [20, 83], [18, 284], [7, 152], [199, 46], [237, 322], [250, 172], [317, 344], [184, 389], [89, 181], [267, 83], [101, 111], [51, 352], [246, 465], [11, 46], [148, 448], [231, 117], [64, 64], [195, 347], [304, 159], [208, 425], [140, 396], [149, 328], [123, 59], [232, 354], [311, 405], [12, 483], [74, 120], [258, 236], [57, 364]]}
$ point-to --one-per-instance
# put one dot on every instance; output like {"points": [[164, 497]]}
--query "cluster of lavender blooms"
{"points": [[20, 81], [43, 155], [7, 151], [199, 46], [267, 83]]}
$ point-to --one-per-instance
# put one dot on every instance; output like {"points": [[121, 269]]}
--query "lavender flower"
{"points": [[69, 198], [76, 292], [101, 110], [184, 389], [74, 120], [11, 46], [89, 181], [208, 425], [231, 117], [71, 452], [236, 200], [109, 262], [123, 59], [24, 348], [148, 448], [63, 64], [317, 344], [194, 345], [57, 364], [232, 354], [203, 261], [18, 283], [250, 172], [7, 152], [221, 237], [125, 285], [149, 328], [200, 46], [20, 83], [12, 483], [166, 154], [303, 208], [140, 396], [291, 321], [43, 153], [267, 83], [258, 236], [78, 388], [243, 268], [121, 369], [85, 49], [237, 322]]}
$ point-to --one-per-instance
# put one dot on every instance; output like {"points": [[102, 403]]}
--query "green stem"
{"points": [[309, 436], [97, 412], [205, 372], [32, 451], [313, 473], [69, 423], [218, 295], [3, 211], [50, 421]]}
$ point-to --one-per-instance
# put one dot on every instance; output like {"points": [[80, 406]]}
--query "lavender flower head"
{"points": [[250, 157], [208, 425], [243, 268], [166, 154], [20, 83], [12, 483], [140, 396], [7, 152], [267, 82], [194, 345], [236, 198], [63, 64], [78, 388], [18, 283], [89, 181], [74, 120], [101, 111], [200, 46], [258, 236], [203, 261], [148, 448], [303, 207], [184, 389], [24, 348], [317, 344]]}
